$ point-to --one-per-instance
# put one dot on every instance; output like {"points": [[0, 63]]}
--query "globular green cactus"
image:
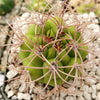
{"points": [[6, 6], [52, 49]]}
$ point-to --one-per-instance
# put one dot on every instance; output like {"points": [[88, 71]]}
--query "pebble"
{"points": [[98, 71], [14, 97], [81, 98], [11, 74], [85, 88], [87, 95], [85, 15], [90, 81], [1, 79], [90, 90], [62, 94], [98, 86], [24, 96], [10, 94], [98, 96], [93, 91], [69, 98], [15, 84], [7, 88], [11, 66], [22, 87], [20, 96], [91, 14]]}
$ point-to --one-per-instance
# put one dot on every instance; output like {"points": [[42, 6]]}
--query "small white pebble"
{"points": [[25, 15], [98, 86], [11, 66], [10, 94], [85, 88], [90, 81], [95, 21], [11, 74], [1, 79], [91, 14], [90, 90], [93, 91], [69, 98], [98, 71], [22, 87], [7, 88], [85, 15], [87, 95], [20, 96], [98, 96], [26, 96], [62, 94], [81, 98], [14, 97]]}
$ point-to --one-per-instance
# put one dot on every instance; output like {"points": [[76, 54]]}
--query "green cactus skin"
{"points": [[83, 53], [37, 62], [71, 62], [31, 30], [66, 59], [51, 25], [71, 31], [24, 54], [6, 6], [50, 52], [58, 80]]}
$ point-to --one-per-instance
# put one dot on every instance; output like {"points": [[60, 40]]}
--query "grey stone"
{"points": [[11, 74]]}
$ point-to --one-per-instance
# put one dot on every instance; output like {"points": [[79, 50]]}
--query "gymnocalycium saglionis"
{"points": [[52, 51]]}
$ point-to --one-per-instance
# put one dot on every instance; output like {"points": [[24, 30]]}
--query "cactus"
{"points": [[54, 55], [53, 51], [6, 6]]}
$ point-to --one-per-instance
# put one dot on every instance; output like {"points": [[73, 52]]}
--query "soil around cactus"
{"points": [[88, 96], [92, 82]]}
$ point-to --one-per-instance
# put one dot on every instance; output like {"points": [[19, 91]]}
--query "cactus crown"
{"points": [[51, 50]]}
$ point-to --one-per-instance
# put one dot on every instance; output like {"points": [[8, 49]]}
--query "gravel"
{"points": [[90, 87]]}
